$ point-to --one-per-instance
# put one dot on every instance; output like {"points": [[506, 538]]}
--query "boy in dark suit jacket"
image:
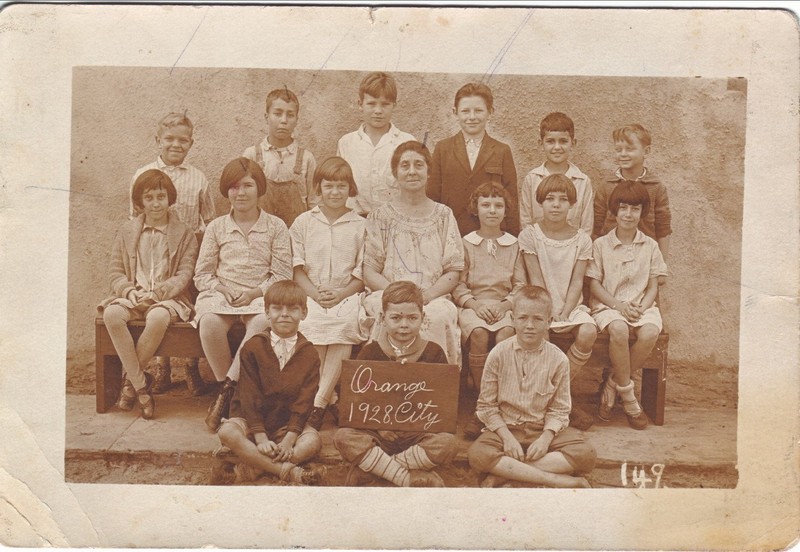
{"points": [[463, 162]]}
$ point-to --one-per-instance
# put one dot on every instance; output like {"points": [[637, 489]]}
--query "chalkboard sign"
{"points": [[387, 395]]}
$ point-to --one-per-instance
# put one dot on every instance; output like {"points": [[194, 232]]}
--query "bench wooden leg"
{"points": [[654, 390], [108, 377]]}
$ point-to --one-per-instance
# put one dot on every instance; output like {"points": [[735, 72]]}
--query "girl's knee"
{"points": [[503, 334], [618, 331], [587, 335], [115, 315], [158, 317], [648, 334]]}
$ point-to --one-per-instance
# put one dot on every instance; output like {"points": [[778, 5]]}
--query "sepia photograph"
{"points": [[376, 277]]}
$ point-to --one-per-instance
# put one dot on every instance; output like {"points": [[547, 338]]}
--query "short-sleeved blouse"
{"points": [[410, 248], [331, 253], [557, 259]]}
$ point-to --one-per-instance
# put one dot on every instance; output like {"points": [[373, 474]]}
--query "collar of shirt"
{"points": [[283, 347], [164, 167], [642, 177], [518, 347], [504, 240], [261, 225], [162, 229], [291, 148], [349, 216], [393, 132], [475, 142], [572, 171], [638, 238]]}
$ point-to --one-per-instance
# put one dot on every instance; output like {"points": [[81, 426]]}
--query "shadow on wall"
{"points": [[697, 125]]}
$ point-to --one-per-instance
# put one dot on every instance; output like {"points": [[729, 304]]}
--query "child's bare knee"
{"points": [[648, 334], [479, 339], [618, 331], [587, 335]]}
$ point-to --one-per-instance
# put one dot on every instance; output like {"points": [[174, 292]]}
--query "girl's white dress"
{"points": [[330, 254], [557, 260]]}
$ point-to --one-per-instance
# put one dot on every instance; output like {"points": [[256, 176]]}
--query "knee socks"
{"points": [[476, 363], [414, 458], [381, 464], [577, 359]]}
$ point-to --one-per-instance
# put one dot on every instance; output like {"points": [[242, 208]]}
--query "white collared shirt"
{"points": [[283, 347], [371, 165]]}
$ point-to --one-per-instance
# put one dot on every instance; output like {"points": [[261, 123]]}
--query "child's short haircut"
{"points": [[174, 119], [625, 133], [489, 189], [402, 291], [378, 85], [153, 179], [285, 293], [238, 169], [629, 192], [556, 183], [411, 145], [557, 122], [475, 89], [282, 94], [335, 169], [534, 293]]}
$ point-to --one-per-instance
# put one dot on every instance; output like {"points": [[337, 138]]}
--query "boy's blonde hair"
{"points": [[378, 85], [282, 94], [285, 293], [625, 133], [556, 183], [335, 169], [533, 293], [175, 119]]}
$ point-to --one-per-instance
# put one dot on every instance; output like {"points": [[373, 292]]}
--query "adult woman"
{"points": [[416, 239], [242, 254]]}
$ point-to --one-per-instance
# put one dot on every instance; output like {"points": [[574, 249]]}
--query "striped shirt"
{"points": [[194, 205], [371, 166], [330, 253], [521, 386], [152, 257], [580, 215]]}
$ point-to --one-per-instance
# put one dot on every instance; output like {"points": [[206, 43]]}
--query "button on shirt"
{"points": [[283, 347], [152, 257], [521, 386], [624, 270]]}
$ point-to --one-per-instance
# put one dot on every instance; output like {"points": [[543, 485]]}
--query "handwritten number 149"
{"points": [[639, 476]]}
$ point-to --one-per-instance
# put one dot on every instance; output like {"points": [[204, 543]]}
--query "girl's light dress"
{"points": [[557, 259], [331, 254], [492, 274], [420, 250], [240, 262]]}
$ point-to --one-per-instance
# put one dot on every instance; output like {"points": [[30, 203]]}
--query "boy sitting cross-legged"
{"points": [[277, 384], [404, 458], [525, 404]]}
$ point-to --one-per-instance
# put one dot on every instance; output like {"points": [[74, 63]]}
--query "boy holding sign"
{"points": [[404, 458], [525, 404]]}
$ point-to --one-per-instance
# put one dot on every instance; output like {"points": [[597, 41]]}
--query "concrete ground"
{"points": [[695, 448]]}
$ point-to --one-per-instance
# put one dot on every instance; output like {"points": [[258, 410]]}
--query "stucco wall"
{"points": [[697, 124]]}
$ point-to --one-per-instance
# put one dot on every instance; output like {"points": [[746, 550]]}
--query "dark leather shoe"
{"points": [[146, 401], [194, 381], [162, 374], [473, 427], [221, 406], [316, 417], [127, 396]]}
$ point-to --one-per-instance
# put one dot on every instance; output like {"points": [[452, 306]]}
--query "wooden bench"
{"points": [[182, 340], [654, 371]]}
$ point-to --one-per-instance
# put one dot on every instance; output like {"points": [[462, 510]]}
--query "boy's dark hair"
{"points": [[334, 169], [625, 133], [237, 169], [629, 192], [534, 293], [152, 179], [411, 145], [378, 85], [285, 293], [489, 189], [402, 291], [172, 120], [475, 89], [556, 183], [282, 94], [557, 122]]}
